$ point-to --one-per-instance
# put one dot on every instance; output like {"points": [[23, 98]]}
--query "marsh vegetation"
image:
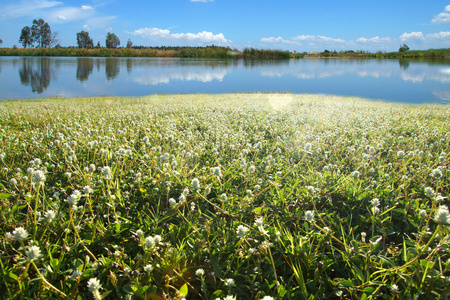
{"points": [[232, 196]]}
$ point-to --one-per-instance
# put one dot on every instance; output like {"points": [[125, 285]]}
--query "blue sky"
{"points": [[381, 25]]}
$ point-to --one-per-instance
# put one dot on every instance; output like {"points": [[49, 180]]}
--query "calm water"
{"points": [[393, 80]]}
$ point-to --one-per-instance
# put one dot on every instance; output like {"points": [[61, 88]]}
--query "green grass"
{"points": [[220, 196]]}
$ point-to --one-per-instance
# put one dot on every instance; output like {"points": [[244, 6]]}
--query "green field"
{"points": [[230, 196]]}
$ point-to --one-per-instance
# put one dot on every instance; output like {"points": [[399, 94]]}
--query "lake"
{"points": [[410, 81]]}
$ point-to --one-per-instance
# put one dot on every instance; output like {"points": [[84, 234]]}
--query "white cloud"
{"points": [[278, 40], [412, 36], [61, 17], [86, 7], [376, 39], [26, 8], [165, 34], [202, 0], [441, 35], [443, 17]]}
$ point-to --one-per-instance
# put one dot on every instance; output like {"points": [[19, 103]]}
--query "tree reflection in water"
{"points": [[85, 66], [112, 68], [39, 77]]}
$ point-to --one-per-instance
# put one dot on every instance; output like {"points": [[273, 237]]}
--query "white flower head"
{"points": [[241, 231], [148, 268], [309, 215], [375, 202], [200, 272], [229, 282], [429, 192], [172, 202], [38, 177], [442, 215], [149, 242], [139, 233], [259, 222], [195, 184], [49, 215], [20, 234], [33, 253], [308, 147], [94, 284], [107, 173]]}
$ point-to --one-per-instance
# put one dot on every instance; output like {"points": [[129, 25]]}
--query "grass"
{"points": [[246, 196]]}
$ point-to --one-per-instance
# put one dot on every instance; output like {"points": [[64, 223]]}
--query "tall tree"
{"points": [[129, 43], [84, 41], [403, 48], [41, 33], [26, 38], [112, 41]]}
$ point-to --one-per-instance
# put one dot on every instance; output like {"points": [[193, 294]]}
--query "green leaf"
{"points": [[105, 294], [346, 283], [4, 196], [183, 290], [363, 297], [281, 291], [12, 275], [2, 186], [358, 273], [389, 261]]}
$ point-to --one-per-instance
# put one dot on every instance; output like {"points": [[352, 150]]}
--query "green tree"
{"points": [[129, 44], [403, 48], [25, 37], [112, 41], [84, 41], [41, 33]]}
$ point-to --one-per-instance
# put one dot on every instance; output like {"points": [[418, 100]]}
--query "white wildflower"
{"points": [[309, 215], [33, 253], [442, 215], [20, 234], [241, 231]]}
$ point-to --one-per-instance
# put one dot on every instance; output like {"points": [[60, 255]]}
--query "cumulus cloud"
{"points": [[443, 17], [412, 36], [86, 7], [165, 34], [441, 35], [278, 40]]}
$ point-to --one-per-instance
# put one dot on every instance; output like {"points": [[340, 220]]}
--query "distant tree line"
{"points": [[40, 36]]}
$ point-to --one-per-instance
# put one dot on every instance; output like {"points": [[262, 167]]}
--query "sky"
{"points": [[299, 26]]}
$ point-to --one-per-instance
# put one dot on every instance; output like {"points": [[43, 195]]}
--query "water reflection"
{"points": [[85, 66], [371, 78], [112, 68], [404, 63], [35, 75]]}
